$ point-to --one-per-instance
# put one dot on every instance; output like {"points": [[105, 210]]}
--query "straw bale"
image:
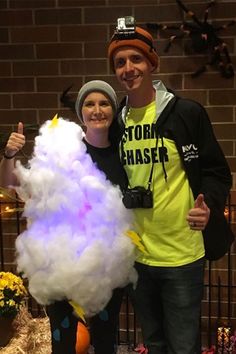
{"points": [[32, 335]]}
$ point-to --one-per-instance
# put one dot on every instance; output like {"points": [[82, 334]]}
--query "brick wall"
{"points": [[48, 45]]}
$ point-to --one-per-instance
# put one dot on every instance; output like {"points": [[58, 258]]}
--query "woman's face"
{"points": [[97, 111]]}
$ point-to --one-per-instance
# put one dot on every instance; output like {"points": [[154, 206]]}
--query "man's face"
{"points": [[133, 70]]}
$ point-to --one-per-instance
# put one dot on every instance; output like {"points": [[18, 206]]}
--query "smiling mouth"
{"points": [[98, 119], [130, 79]]}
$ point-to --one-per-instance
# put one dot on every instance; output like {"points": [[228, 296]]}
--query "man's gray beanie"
{"points": [[95, 86]]}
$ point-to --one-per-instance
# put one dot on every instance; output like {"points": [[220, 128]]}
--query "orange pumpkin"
{"points": [[82, 339]]}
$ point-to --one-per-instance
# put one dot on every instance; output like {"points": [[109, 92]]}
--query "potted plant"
{"points": [[12, 294]]}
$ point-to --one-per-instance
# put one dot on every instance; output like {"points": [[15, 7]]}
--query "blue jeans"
{"points": [[167, 301]]}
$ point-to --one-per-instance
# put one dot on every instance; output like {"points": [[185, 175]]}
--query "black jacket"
{"points": [[187, 123]]}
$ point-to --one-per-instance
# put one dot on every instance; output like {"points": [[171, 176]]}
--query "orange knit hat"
{"points": [[140, 39]]}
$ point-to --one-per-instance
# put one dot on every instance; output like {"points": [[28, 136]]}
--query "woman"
{"points": [[96, 105]]}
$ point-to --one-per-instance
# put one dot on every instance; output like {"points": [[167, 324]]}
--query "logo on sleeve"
{"points": [[190, 152]]}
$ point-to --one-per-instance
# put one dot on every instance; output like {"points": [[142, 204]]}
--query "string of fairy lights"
{"points": [[7, 198]]}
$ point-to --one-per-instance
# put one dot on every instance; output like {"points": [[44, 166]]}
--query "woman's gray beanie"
{"points": [[95, 86]]}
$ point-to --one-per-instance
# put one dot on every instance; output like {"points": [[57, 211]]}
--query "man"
{"points": [[170, 153]]}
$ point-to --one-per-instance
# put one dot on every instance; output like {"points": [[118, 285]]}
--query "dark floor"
{"points": [[122, 349]]}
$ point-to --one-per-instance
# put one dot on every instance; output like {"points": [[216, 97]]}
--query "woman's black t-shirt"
{"points": [[108, 160]]}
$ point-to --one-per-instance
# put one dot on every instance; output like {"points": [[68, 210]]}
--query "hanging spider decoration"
{"points": [[67, 100], [204, 39]]}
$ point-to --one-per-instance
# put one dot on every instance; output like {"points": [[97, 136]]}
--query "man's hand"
{"points": [[199, 215], [16, 141]]}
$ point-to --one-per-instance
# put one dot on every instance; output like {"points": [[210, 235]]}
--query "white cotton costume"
{"points": [[75, 246]]}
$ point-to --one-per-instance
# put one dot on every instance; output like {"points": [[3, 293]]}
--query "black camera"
{"points": [[137, 197]]}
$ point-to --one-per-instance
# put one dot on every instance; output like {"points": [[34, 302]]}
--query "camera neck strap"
{"points": [[163, 116], [152, 168]]}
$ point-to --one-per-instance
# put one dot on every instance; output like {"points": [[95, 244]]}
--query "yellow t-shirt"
{"points": [[164, 230]]}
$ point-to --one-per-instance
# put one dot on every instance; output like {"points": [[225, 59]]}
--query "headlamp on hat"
{"points": [[128, 34], [125, 27]]}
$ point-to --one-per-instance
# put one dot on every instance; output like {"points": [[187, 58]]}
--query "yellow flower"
{"points": [[3, 283], [12, 293]]}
